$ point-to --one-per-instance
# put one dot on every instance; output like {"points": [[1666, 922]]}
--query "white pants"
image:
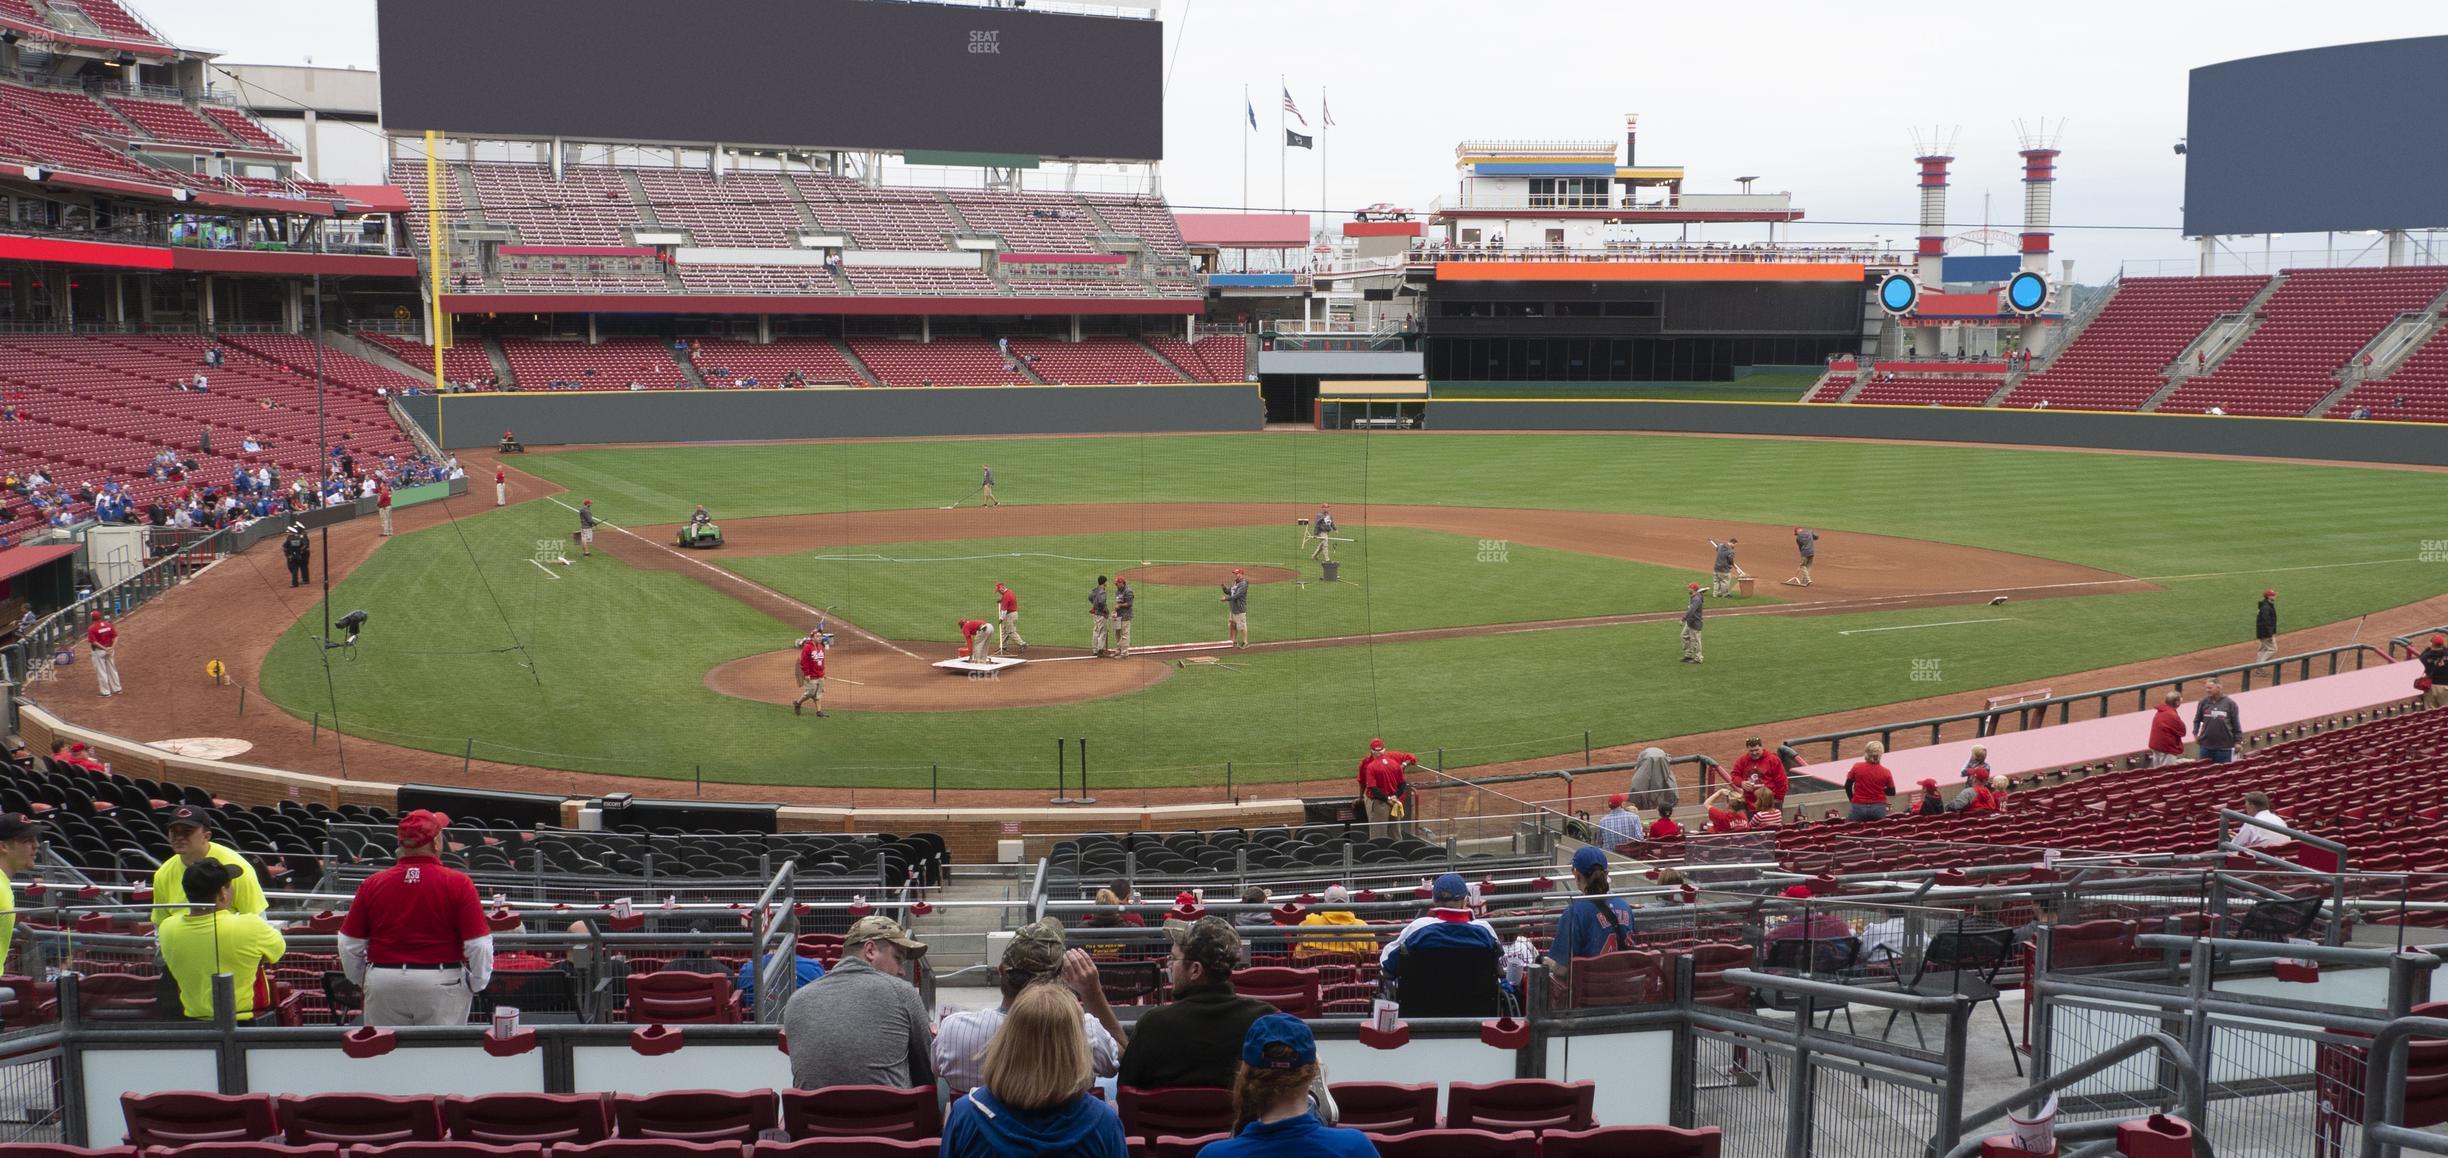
{"points": [[501, 494], [1724, 584], [386, 519], [2268, 650], [416, 996], [1096, 632], [981, 645], [1121, 636], [1011, 631], [106, 670]]}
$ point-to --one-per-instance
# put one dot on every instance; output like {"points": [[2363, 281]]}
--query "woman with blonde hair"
{"points": [[1035, 1098], [1271, 1090]]}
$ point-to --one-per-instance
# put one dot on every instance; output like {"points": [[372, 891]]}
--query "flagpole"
{"points": [[1245, 107], [1325, 207], [1283, 150]]}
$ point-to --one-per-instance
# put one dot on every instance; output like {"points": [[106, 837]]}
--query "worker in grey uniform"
{"points": [[1723, 568], [1807, 542], [1236, 608], [586, 529], [1320, 528], [1098, 617], [1123, 599], [1691, 625]]}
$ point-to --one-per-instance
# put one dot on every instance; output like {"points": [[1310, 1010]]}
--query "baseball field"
{"points": [[1501, 596]]}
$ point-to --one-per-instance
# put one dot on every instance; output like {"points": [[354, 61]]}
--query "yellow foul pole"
{"points": [[439, 330]]}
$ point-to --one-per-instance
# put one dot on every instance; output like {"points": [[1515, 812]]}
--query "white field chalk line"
{"points": [[736, 579], [1917, 626], [547, 570]]}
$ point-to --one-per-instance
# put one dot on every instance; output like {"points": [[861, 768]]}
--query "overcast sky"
{"points": [[1820, 99]]}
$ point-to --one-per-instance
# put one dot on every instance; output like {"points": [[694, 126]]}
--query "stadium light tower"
{"points": [[1936, 153]]}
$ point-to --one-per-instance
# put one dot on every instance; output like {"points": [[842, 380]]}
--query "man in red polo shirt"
{"points": [[102, 639], [501, 486], [1382, 785], [416, 936], [382, 506]]}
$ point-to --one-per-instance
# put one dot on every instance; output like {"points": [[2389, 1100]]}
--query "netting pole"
{"points": [[1229, 795], [468, 757], [1061, 748], [1084, 798], [934, 782], [314, 733]]}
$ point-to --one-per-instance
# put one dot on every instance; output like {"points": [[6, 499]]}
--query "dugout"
{"points": [[41, 579], [1372, 404]]}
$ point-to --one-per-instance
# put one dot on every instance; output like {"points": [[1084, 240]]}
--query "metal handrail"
{"points": [[1989, 718], [2170, 1050], [2411, 641], [2384, 1091]]}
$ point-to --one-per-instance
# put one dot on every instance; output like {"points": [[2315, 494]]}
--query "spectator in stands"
{"points": [[1035, 1098], [2265, 627], [1761, 804], [1979, 793], [1257, 918], [1360, 946], [1868, 784], [2251, 836], [2167, 731], [416, 936], [1450, 923], [1620, 826], [804, 968], [1757, 763], [863, 1023], [195, 945], [1824, 929], [1593, 923], [1190, 1042], [2218, 725], [1272, 1089], [1726, 811], [191, 844], [1664, 827], [2435, 672], [1035, 957], [1929, 801]]}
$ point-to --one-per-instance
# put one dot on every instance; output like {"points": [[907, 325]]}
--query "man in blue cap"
{"points": [[1594, 922], [1271, 1097], [1450, 924]]}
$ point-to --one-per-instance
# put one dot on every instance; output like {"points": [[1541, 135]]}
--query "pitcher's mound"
{"points": [[1205, 574]]}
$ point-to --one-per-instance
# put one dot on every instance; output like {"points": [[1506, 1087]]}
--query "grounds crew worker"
{"points": [[1097, 616], [811, 673], [1382, 785], [1236, 609], [1807, 542], [191, 844], [1722, 569], [1122, 618], [1320, 527], [299, 551], [586, 528], [1007, 609], [416, 936], [1691, 624], [977, 634], [2265, 627]]}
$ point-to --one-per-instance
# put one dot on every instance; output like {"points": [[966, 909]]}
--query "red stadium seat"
{"points": [[1456, 1144], [1170, 1146], [510, 1119], [449, 1150], [1521, 1104], [1631, 1142], [360, 1119], [669, 998], [246, 1150], [847, 1147], [862, 1111], [651, 1148], [177, 1119], [695, 1115], [1187, 1111], [1385, 1107], [1293, 991], [1625, 977]]}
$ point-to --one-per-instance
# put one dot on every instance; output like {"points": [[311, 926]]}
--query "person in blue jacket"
{"points": [[1035, 1100], [1271, 1108]]}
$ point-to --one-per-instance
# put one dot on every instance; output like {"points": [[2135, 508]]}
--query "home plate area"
{"points": [[988, 666]]}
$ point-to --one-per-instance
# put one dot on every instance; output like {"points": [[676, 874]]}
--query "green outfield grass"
{"points": [[1390, 575], [622, 654]]}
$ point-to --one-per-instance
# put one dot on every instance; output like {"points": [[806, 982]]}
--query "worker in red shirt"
{"points": [[811, 672], [1007, 605], [501, 487], [102, 638], [1758, 762], [1382, 785], [1868, 784], [416, 937], [2167, 731], [382, 506], [979, 637]]}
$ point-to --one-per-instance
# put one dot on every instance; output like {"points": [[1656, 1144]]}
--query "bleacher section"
{"points": [[612, 364], [589, 205], [172, 122], [943, 362], [114, 21], [878, 218], [2421, 381], [72, 131], [1094, 361], [2313, 325], [1924, 383], [1214, 358], [2118, 361], [1030, 222], [817, 360], [464, 361], [246, 128], [744, 209]]}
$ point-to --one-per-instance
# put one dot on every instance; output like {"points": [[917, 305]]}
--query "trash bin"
{"points": [[1334, 571]]}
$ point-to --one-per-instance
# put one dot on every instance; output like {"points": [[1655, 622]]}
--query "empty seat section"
{"points": [[1094, 361], [611, 364], [942, 362], [2311, 327], [2119, 360]]}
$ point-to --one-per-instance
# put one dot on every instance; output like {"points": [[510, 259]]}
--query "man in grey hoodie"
{"points": [[2218, 726]]}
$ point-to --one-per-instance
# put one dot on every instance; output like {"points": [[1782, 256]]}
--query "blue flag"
{"points": [[1252, 110]]}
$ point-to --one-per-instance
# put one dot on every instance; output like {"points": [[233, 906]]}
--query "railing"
{"points": [[2385, 1112], [1619, 252], [2423, 248], [2034, 714], [2413, 643]]}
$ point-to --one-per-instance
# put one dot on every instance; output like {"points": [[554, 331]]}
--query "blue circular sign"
{"points": [[2027, 292], [1898, 293]]}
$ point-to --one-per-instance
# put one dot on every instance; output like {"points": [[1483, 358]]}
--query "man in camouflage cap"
{"points": [[1196, 1040], [1035, 956], [862, 1023]]}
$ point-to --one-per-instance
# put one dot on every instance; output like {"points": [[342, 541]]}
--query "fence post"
{"points": [[700, 779], [1585, 748], [242, 700], [1798, 1126], [1084, 797], [934, 782], [1061, 746], [314, 729], [467, 757], [1230, 796]]}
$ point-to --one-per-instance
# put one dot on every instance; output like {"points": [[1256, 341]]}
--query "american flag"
{"points": [[1294, 109]]}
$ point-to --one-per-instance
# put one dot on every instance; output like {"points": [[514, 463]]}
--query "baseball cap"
{"points": [[1589, 857], [2439, 641], [1449, 885], [1239, 571], [297, 526], [1208, 941], [867, 929], [1618, 800], [1338, 895], [17, 825], [1796, 892], [1691, 587], [1278, 1041], [1929, 783], [1376, 745], [2272, 593], [1036, 949], [422, 827], [186, 815]]}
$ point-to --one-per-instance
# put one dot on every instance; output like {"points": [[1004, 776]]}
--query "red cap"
{"points": [[1618, 800], [2439, 641], [1797, 892], [422, 827], [2272, 593], [1376, 745], [1929, 784], [1238, 571], [1691, 587]]}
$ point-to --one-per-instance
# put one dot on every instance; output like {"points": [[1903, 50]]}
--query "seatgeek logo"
{"points": [[984, 41]]}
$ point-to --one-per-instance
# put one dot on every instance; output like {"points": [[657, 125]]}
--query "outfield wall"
{"points": [[2314, 438], [459, 421]]}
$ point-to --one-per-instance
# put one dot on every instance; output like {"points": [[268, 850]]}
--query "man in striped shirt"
{"points": [[1035, 956]]}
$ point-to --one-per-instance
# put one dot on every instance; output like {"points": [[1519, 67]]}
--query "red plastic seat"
{"points": [[848, 1147], [1456, 1144], [177, 1119], [60, 1150], [1175, 1147], [1185, 1111], [363, 1119], [1521, 1104], [695, 1115], [245, 1150], [1385, 1107], [1630, 1142], [1289, 990], [862, 1112], [448, 1149], [651, 1148], [671, 998], [1625, 977], [512, 1119]]}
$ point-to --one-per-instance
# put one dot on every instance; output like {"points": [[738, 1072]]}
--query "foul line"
{"points": [[676, 553], [1915, 626], [546, 570]]}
